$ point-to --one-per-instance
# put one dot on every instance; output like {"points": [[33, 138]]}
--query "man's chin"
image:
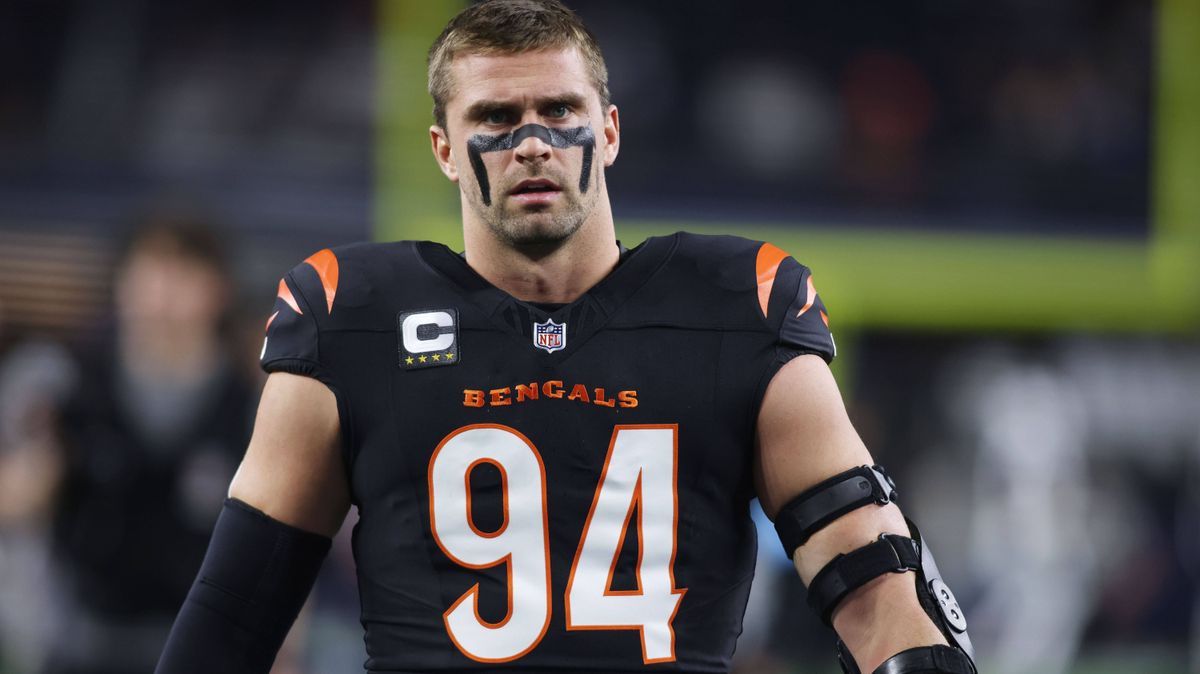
{"points": [[538, 239], [529, 233]]}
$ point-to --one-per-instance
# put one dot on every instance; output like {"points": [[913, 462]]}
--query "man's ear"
{"points": [[442, 152], [612, 135]]}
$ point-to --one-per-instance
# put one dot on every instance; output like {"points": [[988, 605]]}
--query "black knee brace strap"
{"points": [[846, 573], [812, 510], [899, 554], [254, 580]]}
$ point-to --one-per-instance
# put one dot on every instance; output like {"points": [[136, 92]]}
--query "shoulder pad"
{"points": [[721, 259], [332, 289]]}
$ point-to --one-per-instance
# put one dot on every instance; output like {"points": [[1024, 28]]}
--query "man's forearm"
{"points": [[254, 580]]}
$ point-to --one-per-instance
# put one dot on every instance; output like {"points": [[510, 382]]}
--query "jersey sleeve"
{"points": [[293, 340], [793, 307]]}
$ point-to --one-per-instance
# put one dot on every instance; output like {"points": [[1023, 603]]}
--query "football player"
{"points": [[551, 440]]}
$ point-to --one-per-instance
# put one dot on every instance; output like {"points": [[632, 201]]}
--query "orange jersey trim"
{"points": [[285, 294], [812, 297], [326, 265], [766, 266]]}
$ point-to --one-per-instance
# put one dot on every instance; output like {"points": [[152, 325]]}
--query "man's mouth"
{"points": [[535, 187], [535, 192]]}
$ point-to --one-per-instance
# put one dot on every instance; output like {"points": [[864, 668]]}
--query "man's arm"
{"points": [[293, 469], [289, 496], [804, 437]]}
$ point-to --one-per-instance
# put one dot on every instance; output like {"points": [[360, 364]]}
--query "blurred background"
{"points": [[1000, 202]]}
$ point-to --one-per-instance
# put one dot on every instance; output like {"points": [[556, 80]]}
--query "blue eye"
{"points": [[560, 110], [496, 117]]}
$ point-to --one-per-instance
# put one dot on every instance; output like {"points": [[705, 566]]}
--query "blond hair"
{"points": [[511, 27]]}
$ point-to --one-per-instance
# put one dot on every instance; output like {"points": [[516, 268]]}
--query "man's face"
{"points": [[536, 192], [166, 293]]}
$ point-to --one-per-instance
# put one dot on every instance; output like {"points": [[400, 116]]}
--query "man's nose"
{"points": [[532, 147]]}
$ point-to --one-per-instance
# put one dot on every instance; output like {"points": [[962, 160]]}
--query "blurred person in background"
{"points": [[146, 440], [35, 379]]}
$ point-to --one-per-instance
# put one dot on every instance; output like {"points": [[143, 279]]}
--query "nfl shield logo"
{"points": [[550, 336]]}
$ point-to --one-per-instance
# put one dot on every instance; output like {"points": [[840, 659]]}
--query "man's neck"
{"points": [[557, 276]]}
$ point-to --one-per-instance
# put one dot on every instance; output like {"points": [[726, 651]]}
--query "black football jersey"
{"points": [[550, 489]]}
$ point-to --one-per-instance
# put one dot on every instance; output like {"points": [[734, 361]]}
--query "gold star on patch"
{"points": [[437, 356], [422, 358], [449, 356], [408, 361]]}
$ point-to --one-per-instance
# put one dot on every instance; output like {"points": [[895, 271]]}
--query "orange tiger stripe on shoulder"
{"points": [[767, 264], [809, 299], [285, 294], [326, 265]]}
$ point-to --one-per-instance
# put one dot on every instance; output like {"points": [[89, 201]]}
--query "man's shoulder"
{"points": [[368, 257], [712, 247], [732, 263], [348, 292], [725, 256], [726, 281], [699, 280], [347, 285]]}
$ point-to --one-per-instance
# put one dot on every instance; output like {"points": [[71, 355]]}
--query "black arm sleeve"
{"points": [[254, 580]]}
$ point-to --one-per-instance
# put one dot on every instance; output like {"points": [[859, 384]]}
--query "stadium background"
{"points": [[1001, 205]]}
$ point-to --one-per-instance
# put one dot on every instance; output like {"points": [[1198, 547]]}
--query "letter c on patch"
{"points": [[442, 331]]}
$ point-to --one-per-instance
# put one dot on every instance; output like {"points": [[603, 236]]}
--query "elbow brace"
{"points": [[815, 508], [255, 578]]}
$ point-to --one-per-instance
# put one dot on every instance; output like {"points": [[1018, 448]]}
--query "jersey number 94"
{"points": [[640, 470]]}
